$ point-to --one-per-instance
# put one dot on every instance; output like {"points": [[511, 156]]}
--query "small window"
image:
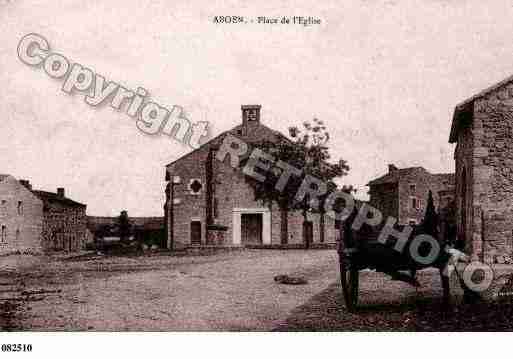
{"points": [[17, 235], [215, 207], [4, 202], [20, 207], [413, 187], [414, 203], [3, 238]]}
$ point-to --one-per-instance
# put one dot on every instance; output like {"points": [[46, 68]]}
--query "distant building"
{"points": [[446, 197], [37, 220], [482, 128], [210, 203], [149, 230], [402, 193]]}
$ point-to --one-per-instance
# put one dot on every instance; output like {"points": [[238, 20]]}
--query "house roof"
{"points": [[394, 176], [464, 108], [53, 197], [449, 177]]}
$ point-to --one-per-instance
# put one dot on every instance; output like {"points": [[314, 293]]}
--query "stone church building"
{"points": [[482, 128], [209, 203]]}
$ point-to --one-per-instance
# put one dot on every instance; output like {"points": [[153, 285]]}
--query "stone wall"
{"points": [[492, 174], [464, 188], [64, 227], [385, 197]]}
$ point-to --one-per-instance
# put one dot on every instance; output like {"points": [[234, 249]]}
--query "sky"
{"points": [[384, 76]]}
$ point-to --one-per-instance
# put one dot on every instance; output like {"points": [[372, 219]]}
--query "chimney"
{"points": [[26, 184], [391, 168], [250, 114], [60, 192]]}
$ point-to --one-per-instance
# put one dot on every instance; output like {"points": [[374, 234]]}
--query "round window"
{"points": [[195, 186]]}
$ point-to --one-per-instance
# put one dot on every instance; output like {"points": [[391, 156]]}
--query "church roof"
{"points": [[396, 175], [255, 134]]}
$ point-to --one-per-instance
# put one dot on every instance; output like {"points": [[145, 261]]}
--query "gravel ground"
{"points": [[226, 291], [393, 306]]}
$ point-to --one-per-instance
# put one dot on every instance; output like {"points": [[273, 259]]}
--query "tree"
{"points": [[305, 154], [430, 222], [124, 226]]}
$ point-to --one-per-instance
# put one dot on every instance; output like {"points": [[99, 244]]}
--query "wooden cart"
{"points": [[360, 250]]}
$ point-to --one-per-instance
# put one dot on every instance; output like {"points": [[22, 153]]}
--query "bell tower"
{"points": [[250, 114]]}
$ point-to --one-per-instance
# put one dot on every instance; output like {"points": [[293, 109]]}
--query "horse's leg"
{"points": [[413, 273], [445, 289]]}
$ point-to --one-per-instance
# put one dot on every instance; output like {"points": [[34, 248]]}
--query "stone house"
{"points": [[482, 128], [209, 203], [38, 221], [64, 222], [21, 217], [402, 193]]}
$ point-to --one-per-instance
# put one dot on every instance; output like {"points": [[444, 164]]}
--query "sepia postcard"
{"points": [[177, 169]]}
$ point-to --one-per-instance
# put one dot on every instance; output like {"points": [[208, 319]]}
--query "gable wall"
{"points": [[29, 223]]}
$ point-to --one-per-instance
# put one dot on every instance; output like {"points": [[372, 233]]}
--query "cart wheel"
{"points": [[349, 277]]}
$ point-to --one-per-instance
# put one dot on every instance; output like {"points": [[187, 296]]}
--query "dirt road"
{"points": [[227, 291]]}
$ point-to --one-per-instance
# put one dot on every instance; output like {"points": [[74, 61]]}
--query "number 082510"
{"points": [[228, 19], [16, 347]]}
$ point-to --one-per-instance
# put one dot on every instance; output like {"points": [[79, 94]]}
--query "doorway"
{"points": [[195, 232], [251, 228], [307, 233]]}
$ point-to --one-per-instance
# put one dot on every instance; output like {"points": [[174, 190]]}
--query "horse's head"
{"points": [[457, 255]]}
